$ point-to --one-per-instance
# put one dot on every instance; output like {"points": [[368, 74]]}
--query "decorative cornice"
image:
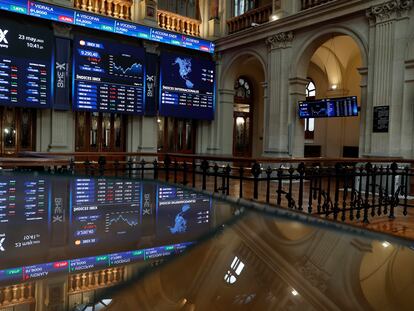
{"points": [[387, 10], [281, 40]]}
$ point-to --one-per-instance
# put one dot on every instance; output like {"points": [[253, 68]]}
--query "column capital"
{"points": [[389, 10], [280, 40]]}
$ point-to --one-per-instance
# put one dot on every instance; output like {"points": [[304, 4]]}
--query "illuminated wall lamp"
{"points": [[334, 87]]}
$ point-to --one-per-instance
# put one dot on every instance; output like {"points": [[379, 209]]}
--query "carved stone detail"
{"points": [[318, 278], [387, 10], [280, 41]]}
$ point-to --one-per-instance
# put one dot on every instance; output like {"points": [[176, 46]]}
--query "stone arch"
{"points": [[304, 53], [228, 77], [301, 59], [250, 64]]}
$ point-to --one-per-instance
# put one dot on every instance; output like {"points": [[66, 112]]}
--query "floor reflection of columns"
{"points": [[96, 279], [14, 295]]}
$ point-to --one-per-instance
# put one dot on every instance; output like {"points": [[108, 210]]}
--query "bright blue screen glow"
{"points": [[329, 108], [108, 76], [93, 21], [187, 87]]}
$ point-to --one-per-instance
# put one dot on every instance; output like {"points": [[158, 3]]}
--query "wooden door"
{"points": [[100, 132], [176, 135], [242, 134], [18, 130]]}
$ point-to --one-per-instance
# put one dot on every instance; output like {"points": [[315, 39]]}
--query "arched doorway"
{"points": [[242, 118], [241, 86], [332, 72]]}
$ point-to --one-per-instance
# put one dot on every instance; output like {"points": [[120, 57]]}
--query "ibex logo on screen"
{"points": [[3, 40]]}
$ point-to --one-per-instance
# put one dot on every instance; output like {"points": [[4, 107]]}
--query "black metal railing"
{"points": [[338, 189]]}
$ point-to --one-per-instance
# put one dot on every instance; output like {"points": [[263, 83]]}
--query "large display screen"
{"points": [[94, 21], [25, 65], [108, 76], [329, 108], [187, 87]]}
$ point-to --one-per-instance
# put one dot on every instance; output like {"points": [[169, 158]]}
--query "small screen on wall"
{"points": [[108, 76], [187, 87], [329, 108], [25, 64]]}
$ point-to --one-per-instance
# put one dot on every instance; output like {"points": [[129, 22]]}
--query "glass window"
{"points": [[161, 123], [243, 89], [94, 130], [235, 270], [242, 6], [106, 130], [9, 128], [311, 89], [26, 129], [118, 130], [310, 123]]}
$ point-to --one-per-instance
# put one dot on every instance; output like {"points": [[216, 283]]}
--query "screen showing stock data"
{"points": [[329, 108], [95, 223], [187, 87], [25, 64], [108, 76], [98, 22]]}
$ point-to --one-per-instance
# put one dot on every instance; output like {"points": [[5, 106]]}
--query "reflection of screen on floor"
{"points": [[180, 224], [178, 217]]}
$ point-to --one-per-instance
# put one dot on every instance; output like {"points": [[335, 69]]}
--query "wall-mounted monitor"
{"points": [[96, 21], [329, 108], [187, 87], [25, 65], [108, 76]]}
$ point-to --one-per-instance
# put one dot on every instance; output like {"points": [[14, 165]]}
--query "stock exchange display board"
{"points": [[94, 21], [108, 76], [187, 87], [25, 64], [329, 108]]}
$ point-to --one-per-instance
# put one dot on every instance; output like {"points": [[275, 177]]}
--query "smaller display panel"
{"points": [[108, 76], [329, 108], [187, 87], [25, 65]]}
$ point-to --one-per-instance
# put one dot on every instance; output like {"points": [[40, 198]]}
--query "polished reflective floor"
{"points": [[85, 243]]}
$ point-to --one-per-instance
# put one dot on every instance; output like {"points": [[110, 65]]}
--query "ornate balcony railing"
{"points": [[87, 281], [256, 16], [115, 8], [178, 23], [19, 294], [307, 4]]}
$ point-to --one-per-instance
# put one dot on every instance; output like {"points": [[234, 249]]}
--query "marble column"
{"points": [[277, 108], [389, 34], [366, 118], [217, 136], [407, 137]]}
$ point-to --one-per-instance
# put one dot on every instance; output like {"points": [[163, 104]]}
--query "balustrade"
{"points": [[178, 23], [87, 281], [16, 295], [257, 16], [115, 8], [307, 4]]}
